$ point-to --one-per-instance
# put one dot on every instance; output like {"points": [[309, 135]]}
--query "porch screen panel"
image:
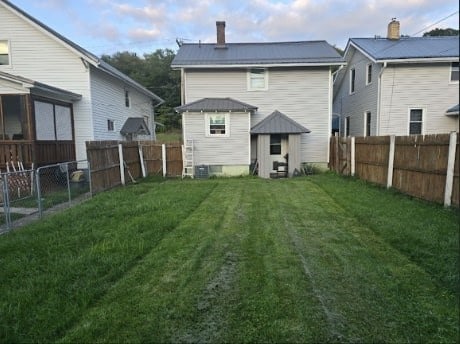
{"points": [[44, 121], [63, 123]]}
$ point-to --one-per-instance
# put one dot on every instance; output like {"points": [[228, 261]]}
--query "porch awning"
{"points": [[41, 89], [135, 125], [278, 123], [216, 105], [453, 111]]}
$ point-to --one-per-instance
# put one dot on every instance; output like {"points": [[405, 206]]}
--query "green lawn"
{"points": [[311, 259]]}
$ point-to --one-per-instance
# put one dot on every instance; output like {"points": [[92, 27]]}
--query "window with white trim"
{"points": [[368, 73], [367, 119], [110, 125], [127, 99], [454, 71], [352, 80], [257, 79], [218, 125], [4, 53], [415, 121]]}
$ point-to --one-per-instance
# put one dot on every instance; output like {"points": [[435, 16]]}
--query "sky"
{"points": [[143, 26]]}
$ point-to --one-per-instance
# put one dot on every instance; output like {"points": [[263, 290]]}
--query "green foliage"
{"points": [[441, 32], [154, 72]]}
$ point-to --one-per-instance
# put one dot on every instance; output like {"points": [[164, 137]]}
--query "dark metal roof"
{"points": [[100, 64], [135, 125], [260, 54], [216, 105], [409, 47], [278, 123], [453, 111], [42, 89]]}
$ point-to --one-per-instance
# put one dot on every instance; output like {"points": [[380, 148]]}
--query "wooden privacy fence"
{"points": [[423, 166], [114, 163]]}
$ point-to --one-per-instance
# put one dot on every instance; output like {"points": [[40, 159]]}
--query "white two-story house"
{"points": [[257, 106], [398, 85], [55, 95]]}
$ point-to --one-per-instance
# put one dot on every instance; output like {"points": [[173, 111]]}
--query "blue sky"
{"points": [[142, 26]]}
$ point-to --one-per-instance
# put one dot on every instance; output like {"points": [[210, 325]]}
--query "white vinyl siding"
{"points": [[302, 94], [219, 150], [418, 86], [364, 99], [109, 102]]}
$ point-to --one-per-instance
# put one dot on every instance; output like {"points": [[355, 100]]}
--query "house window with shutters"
{"points": [[415, 121]]}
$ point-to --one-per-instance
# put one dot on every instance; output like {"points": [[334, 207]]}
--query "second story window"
{"points": [[257, 79], [127, 100], [368, 74], [352, 80], [454, 71], [4, 53], [110, 125]]}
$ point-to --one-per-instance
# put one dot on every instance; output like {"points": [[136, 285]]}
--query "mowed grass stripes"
{"points": [[237, 260]]}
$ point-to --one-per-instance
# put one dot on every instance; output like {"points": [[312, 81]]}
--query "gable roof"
{"points": [[85, 54], [135, 125], [41, 89], [304, 53], [407, 48], [278, 123], [216, 105]]}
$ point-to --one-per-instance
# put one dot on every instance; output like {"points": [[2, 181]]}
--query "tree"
{"points": [[153, 71], [441, 32]]}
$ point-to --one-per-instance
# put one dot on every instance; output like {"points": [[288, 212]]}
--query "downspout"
{"points": [[379, 98]]}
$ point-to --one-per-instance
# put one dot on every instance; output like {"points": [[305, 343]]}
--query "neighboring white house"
{"points": [[48, 83], [398, 85], [248, 103]]}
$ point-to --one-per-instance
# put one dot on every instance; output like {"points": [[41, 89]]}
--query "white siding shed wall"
{"points": [[302, 94], [231, 150]]}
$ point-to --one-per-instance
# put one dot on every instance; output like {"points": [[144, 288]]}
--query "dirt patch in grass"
{"points": [[212, 306]]}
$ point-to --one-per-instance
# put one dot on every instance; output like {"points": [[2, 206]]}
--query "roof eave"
{"points": [[420, 60], [253, 65]]}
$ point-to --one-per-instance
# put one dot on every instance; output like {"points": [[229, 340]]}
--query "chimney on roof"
{"points": [[393, 30], [220, 26]]}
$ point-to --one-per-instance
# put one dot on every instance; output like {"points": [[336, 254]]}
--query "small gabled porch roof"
{"points": [[216, 105], [136, 126], [453, 111], [278, 123]]}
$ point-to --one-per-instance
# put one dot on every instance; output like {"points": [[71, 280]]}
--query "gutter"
{"points": [[379, 97]]}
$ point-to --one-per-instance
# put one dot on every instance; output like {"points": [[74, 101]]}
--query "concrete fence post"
{"points": [[122, 165], [391, 159], [450, 169]]}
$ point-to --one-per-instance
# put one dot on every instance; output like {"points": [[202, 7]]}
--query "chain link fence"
{"points": [[31, 193]]}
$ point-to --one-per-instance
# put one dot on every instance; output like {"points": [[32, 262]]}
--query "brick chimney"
{"points": [[220, 26], [393, 30]]}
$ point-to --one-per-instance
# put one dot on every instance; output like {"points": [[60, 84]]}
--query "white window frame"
{"points": [[208, 124], [249, 78], [422, 131], [352, 80], [127, 99], [369, 66], [450, 73], [346, 131], [110, 125], [9, 53], [366, 123]]}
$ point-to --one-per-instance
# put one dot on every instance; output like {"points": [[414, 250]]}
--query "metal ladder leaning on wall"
{"points": [[187, 156]]}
